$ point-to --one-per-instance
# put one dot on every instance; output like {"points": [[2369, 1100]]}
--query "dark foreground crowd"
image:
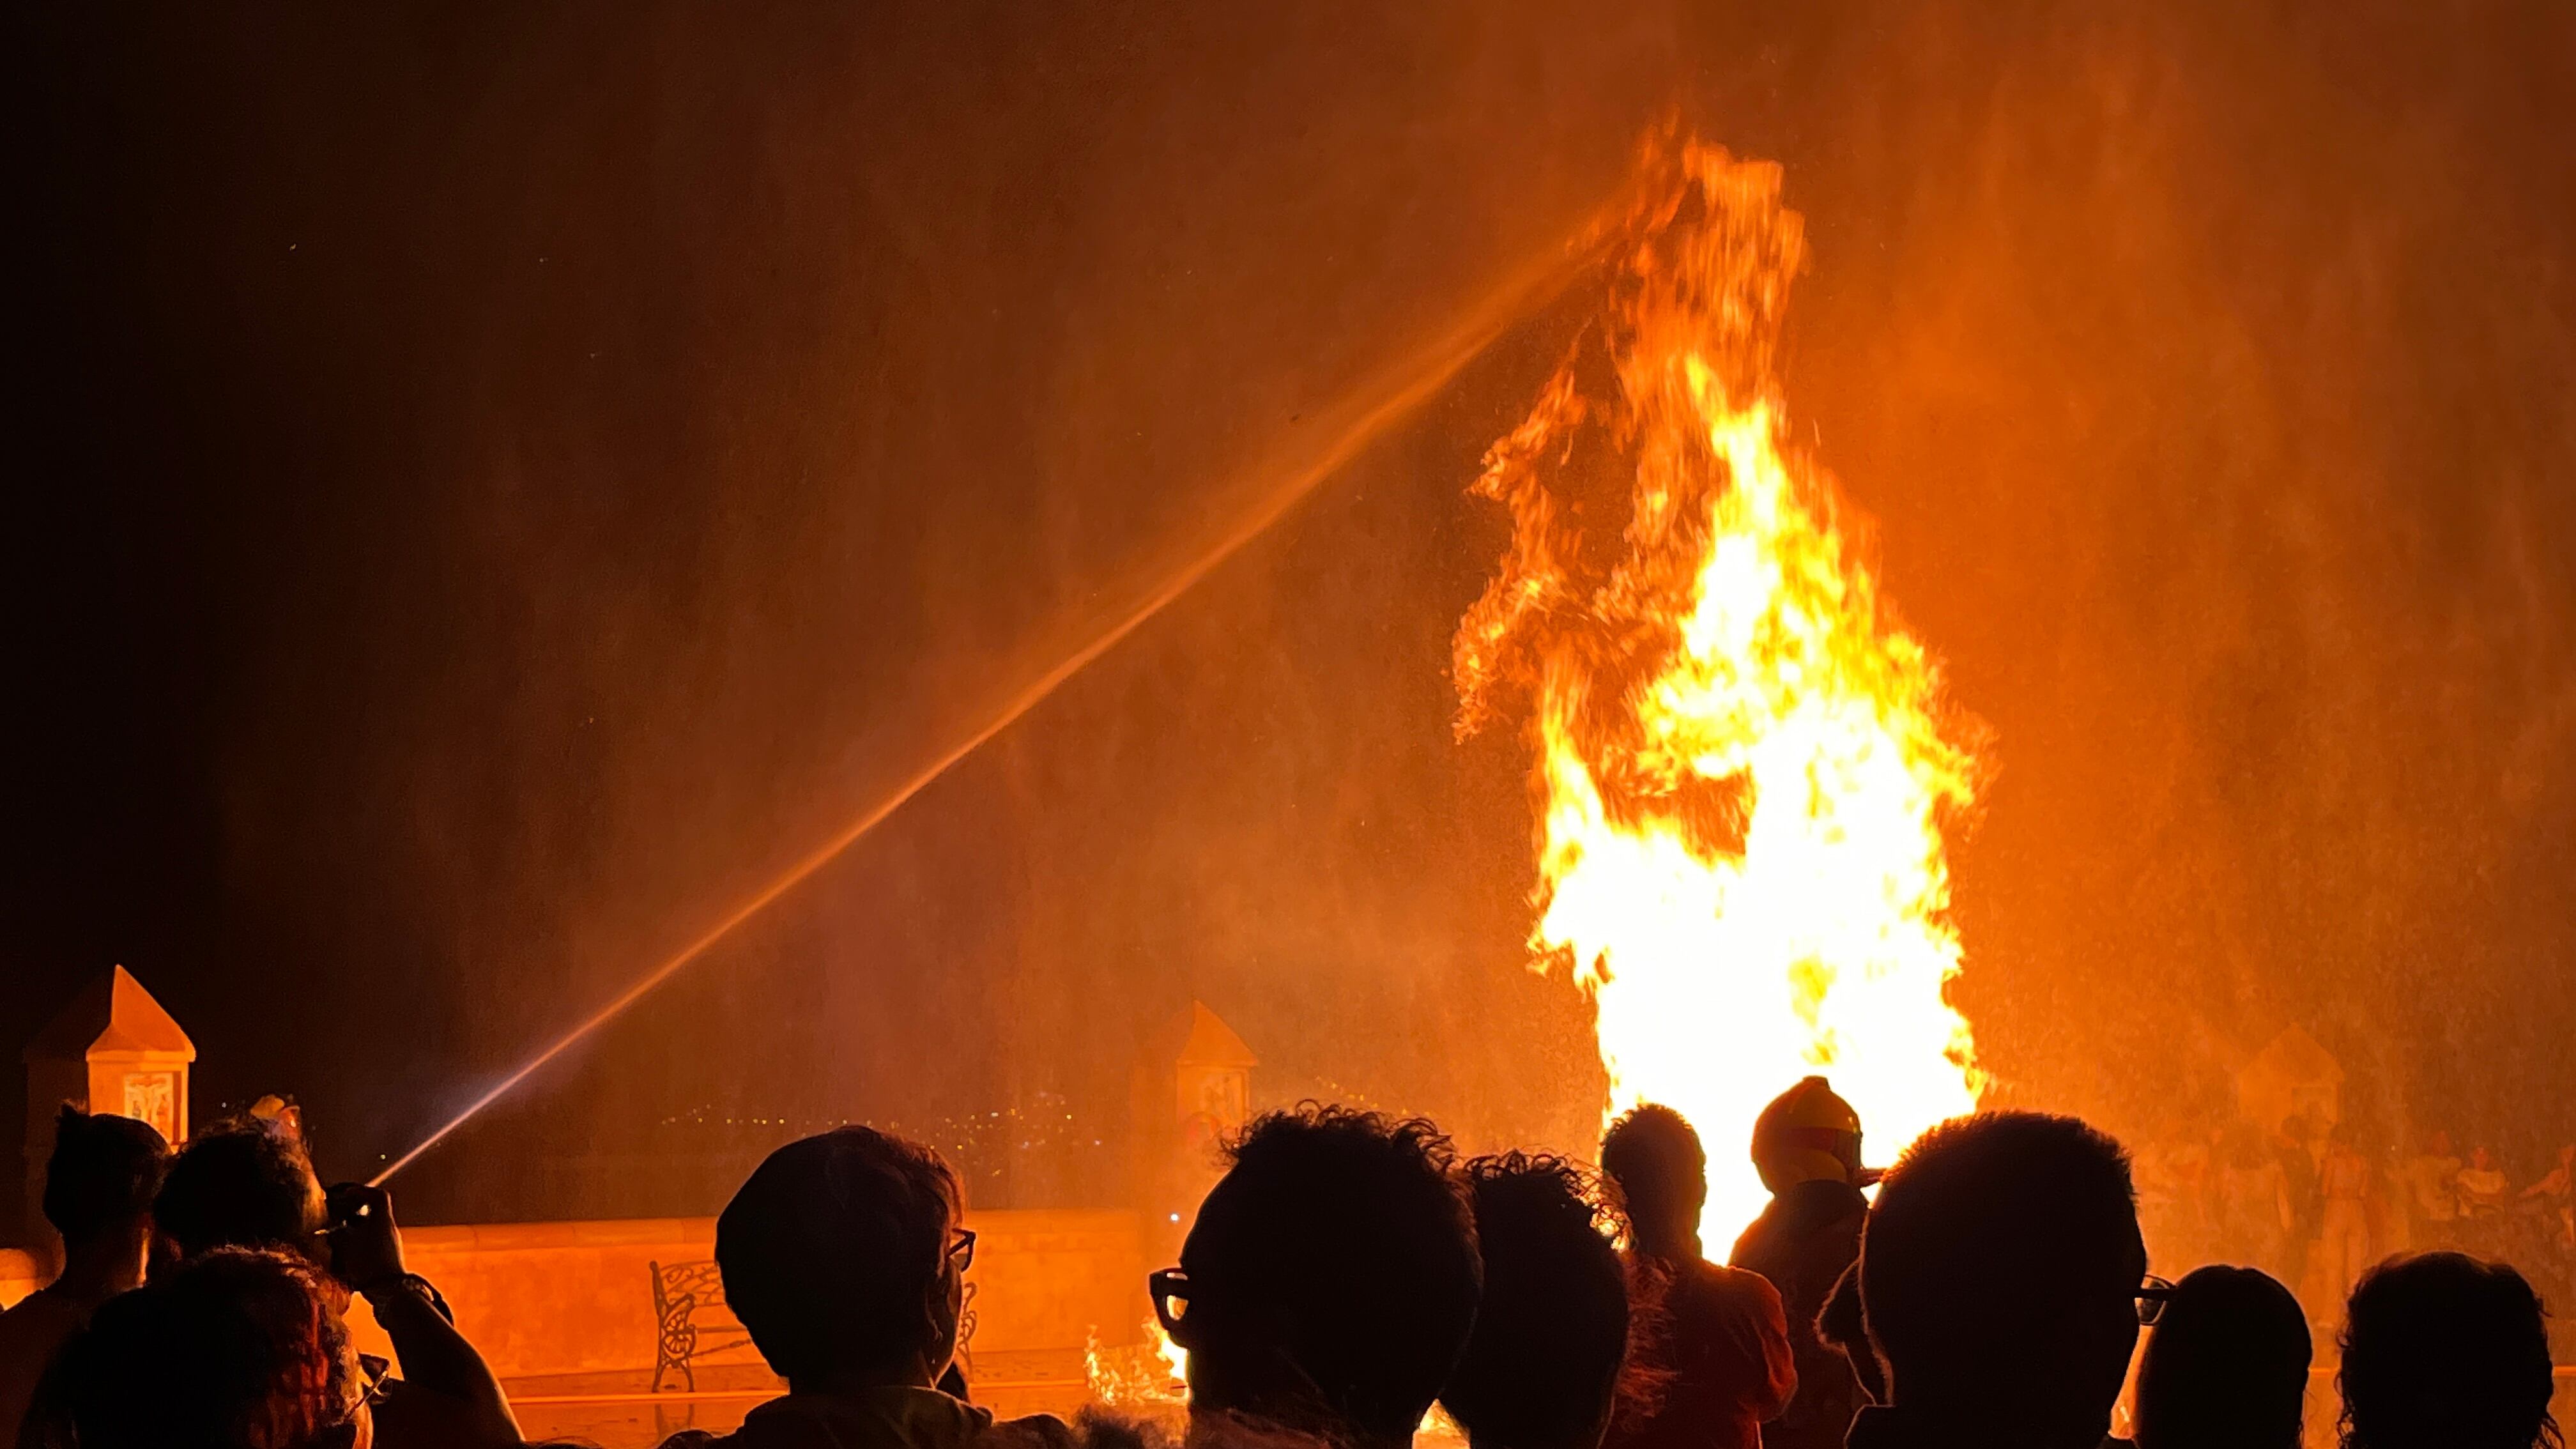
{"points": [[1345, 1274]]}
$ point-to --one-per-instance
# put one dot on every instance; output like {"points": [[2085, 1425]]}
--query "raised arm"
{"points": [[436, 1359]]}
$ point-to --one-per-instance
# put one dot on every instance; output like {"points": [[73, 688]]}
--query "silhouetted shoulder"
{"points": [[1723, 1287], [1037, 1431], [883, 1418]]}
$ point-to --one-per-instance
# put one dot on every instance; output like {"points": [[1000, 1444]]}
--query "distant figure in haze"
{"points": [[1542, 1366], [2255, 1216], [1806, 1145], [2554, 1199], [1718, 1340], [2345, 1183], [2226, 1365], [2433, 1182], [2000, 1272], [2441, 1351], [98, 1195], [2299, 1181], [2484, 1191], [1329, 1283], [844, 1258], [235, 1349], [2482, 1185], [243, 1184]]}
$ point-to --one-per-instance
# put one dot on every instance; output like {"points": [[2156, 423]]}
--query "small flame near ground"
{"points": [[1152, 1374], [1742, 764], [1153, 1378]]}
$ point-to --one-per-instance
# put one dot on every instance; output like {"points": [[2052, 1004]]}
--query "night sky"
{"points": [[490, 487]]}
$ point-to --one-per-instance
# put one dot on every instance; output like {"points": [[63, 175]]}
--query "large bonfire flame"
{"points": [[1742, 765]]}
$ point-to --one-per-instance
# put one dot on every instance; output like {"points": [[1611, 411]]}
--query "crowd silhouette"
{"points": [[2315, 1204], [1346, 1272]]}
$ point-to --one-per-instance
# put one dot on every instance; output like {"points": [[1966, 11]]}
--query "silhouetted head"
{"points": [[102, 1175], [241, 1185], [1807, 1134], [1332, 1275], [2000, 1267], [1658, 1174], [1551, 1332], [2441, 1351], [2226, 1366], [2440, 1145], [842, 1258], [236, 1348], [2481, 1159]]}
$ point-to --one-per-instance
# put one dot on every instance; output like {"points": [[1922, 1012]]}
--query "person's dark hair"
{"points": [[2000, 1264], [236, 1349], [241, 1184], [1551, 1331], [1654, 1161], [103, 1173], [2227, 1365], [1342, 1241], [833, 1249], [2443, 1350]]}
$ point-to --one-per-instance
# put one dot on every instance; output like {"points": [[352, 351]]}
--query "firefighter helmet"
{"points": [[1808, 1133]]}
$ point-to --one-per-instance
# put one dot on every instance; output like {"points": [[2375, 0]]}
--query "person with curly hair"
{"points": [[1330, 1281], [1542, 1366], [2443, 1351], [238, 1348], [243, 1183]]}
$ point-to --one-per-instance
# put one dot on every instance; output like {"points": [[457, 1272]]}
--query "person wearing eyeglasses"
{"points": [[2002, 1279], [1328, 1284], [844, 1258], [2226, 1362]]}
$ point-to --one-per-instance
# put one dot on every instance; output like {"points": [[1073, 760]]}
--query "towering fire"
{"points": [[1742, 763]]}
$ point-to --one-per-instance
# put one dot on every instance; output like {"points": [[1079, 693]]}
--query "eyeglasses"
{"points": [[1170, 1290], [962, 1251], [2153, 1295]]}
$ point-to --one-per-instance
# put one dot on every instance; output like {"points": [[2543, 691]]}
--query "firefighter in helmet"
{"points": [[1806, 1145]]}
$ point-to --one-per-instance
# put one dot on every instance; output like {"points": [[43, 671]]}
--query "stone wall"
{"points": [[553, 1299], [20, 1275]]}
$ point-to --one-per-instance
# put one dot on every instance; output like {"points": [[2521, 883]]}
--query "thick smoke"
{"points": [[499, 486]]}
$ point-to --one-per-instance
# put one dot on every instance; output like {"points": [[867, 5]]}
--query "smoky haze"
{"points": [[493, 489]]}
